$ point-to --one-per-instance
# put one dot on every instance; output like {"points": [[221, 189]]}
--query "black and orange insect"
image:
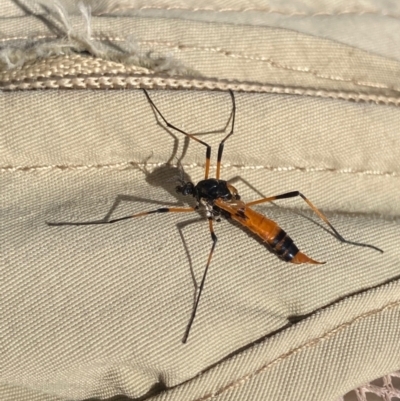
{"points": [[221, 199]]}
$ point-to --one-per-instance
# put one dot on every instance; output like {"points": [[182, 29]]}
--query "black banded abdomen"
{"points": [[284, 246], [266, 229]]}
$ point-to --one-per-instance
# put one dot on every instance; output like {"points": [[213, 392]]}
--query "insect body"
{"points": [[266, 229], [221, 199]]}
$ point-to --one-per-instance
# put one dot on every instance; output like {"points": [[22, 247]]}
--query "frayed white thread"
{"points": [[87, 15], [73, 42], [58, 7], [5, 58], [80, 40]]}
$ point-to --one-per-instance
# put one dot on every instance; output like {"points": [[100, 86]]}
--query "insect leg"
{"points": [[221, 145], [191, 136], [214, 239], [316, 211], [239, 178], [160, 210]]}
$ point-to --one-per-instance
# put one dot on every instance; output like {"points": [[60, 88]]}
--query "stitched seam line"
{"points": [[268, 10], [124, 165], [116, 82], [38, 37], [312, 343], [244, 56], [266, 60]]}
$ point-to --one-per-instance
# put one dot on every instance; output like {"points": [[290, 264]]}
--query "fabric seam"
{"points": [[118, 82], [268, 10], [269, 61], [236, 384], [140, 166], [240, 55]]}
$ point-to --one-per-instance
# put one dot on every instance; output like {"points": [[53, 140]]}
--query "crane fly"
{"points": [[221, 199]]}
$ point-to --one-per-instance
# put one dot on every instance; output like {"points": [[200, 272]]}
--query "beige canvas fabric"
{"points": [[97, 311]]}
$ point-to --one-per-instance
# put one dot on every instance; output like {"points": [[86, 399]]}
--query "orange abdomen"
{"points": [[272, 234]]}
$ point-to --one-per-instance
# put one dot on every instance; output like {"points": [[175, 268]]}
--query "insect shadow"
{"points": [[164, 176]]}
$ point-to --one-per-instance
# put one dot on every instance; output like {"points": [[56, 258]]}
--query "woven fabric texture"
{"points": [[98, 311], [95, 299]]}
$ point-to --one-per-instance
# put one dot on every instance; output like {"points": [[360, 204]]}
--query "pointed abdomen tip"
{"points": [[300, 257]]}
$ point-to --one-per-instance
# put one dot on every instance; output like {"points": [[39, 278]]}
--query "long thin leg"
{"points": [[169, 125], [221, 145], [160, 210], [181, 226], [214, 239], [316, 211]]}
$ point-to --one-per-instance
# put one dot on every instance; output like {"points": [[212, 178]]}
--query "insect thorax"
{"points": [[211, 189]]}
